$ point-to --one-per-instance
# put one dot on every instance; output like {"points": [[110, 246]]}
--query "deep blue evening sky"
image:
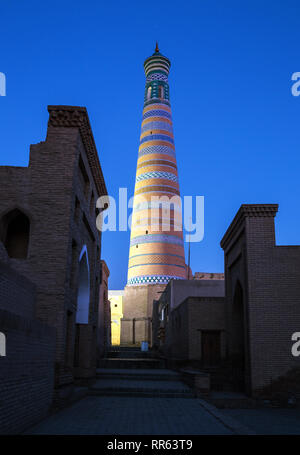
{"points": [[236, 123]]}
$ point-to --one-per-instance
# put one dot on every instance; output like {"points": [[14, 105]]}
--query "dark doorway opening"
{"points": [[211, 348]]}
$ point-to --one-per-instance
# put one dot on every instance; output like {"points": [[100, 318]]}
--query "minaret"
{"points": [[156, 244]]}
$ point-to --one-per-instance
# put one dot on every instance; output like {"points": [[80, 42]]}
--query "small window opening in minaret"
{"points": [[161, 91], [146, 232], [149, 91]]}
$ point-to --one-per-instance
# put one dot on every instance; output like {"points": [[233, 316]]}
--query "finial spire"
{"points": [[156, 47]]}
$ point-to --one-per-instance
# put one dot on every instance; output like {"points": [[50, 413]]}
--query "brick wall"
{"points": [[205, 314], [26, 373], [274, 302], [138, 305], [188, 320], [263, 281], [27, 370], [17, 294], [58, 193]]}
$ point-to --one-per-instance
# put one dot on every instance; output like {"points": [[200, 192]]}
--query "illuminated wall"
{"points": [[116, 308]]}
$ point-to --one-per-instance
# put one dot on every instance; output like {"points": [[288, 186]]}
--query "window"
{"points": [[149, 92], [16, 226], [161, 91]]}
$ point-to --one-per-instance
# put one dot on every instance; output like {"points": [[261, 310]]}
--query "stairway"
{"points": [[130, 372], [128, 357]]}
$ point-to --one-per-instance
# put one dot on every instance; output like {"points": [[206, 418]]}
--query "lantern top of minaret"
{"points": [[157, 51], [157, 61]]}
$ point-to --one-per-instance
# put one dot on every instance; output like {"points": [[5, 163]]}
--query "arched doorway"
{"points": [[238, 338], [15, 234]]}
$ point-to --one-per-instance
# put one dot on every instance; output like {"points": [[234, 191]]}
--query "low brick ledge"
{"points": [[198, 380]]}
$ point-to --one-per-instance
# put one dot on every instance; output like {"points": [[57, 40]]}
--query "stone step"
{"points": [[135, 363], [141, 394], [120, 387], [138, 374], [128, 354]]}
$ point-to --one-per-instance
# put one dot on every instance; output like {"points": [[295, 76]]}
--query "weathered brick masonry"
{"points": [[262, 297], [27, 370], [48, 228], [186, 309], [190, 319], [245, 338]]}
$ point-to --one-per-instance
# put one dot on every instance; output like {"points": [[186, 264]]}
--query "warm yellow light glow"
{"points": [[116, 308]]}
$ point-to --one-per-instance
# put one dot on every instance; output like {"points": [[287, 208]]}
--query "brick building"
{"points": [[262, 300], [48, 230], [244, 338], [184, 311]]}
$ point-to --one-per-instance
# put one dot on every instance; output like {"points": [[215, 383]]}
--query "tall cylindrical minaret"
{"points": [[156, 244]]}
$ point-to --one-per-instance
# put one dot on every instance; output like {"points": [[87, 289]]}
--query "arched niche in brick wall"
{"points": [[15, 231], [83, 296]]}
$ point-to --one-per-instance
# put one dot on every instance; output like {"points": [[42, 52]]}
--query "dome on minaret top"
{"points": [[157, 63]]}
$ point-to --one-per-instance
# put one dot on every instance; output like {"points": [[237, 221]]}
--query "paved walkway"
{"points": [[161, 405], [135, 416], [268, 421]]}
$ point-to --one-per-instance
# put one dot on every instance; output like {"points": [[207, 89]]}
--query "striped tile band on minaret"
{"points": [[156, 245]]}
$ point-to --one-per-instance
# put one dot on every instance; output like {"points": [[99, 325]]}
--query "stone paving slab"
{"points": [[234, 425], [269, 421], [133, 416]]}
